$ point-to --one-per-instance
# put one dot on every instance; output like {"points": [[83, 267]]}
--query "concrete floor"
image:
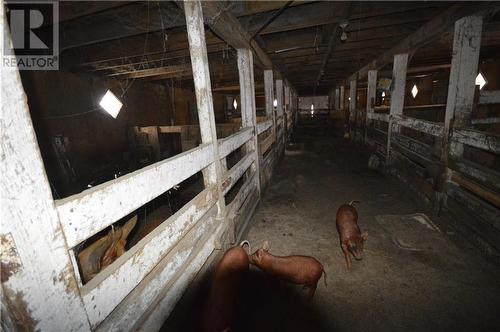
{"points": [[449, 287]]}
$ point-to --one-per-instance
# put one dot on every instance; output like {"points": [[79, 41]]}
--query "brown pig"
{"points": [[302, 270], [351, 238], [226, 280]]}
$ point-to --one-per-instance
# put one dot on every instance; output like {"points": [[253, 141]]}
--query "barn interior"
{"points": [[169, 132]]}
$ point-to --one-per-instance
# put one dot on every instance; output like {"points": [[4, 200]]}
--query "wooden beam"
{"points": [[397, 98], [248, 111], [39, 287], [353, 92], [203, 91], [461, 87], [370, 99], [427, 33]]}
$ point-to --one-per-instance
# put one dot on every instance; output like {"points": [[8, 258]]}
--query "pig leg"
{"points": [[312, 290], [347, 256]]}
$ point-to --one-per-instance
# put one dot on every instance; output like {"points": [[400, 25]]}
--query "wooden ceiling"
{"points": [[148, 41]]}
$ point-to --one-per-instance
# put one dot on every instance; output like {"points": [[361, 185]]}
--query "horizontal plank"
{"points": [[265, 144], [494, 120], [105, 291], [378, 116], [160, 283], [428, 127], [84, 214], [233, 142], [170, 129], [477, 189], [263, 126], [481, 174], [237, 171], [475, 205], [478, 139], [233, 208], [489, 97], [414, 145]]}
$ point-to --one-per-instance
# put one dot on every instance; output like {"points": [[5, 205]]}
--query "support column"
{"points": [[352, 109], [461, 90], [337, 99], [279, 115], [461, 86], [397, 99], [370, 101], [203, 90], [269, 95], [248, 112], [39, 287]]}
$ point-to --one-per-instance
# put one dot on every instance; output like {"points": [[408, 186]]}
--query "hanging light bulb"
{"points": [[312, 109], [235, 104], [275, 102], [414, 90], [481, 81], [383, 94]]}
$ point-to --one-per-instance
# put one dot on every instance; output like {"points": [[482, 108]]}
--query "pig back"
{"points": [[295, 269], [347, 221]]}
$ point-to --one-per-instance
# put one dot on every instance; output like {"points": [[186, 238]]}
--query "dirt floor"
{"points": [[446, 287]]}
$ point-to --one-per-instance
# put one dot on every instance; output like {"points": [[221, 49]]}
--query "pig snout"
{"points": [[357, 251]]}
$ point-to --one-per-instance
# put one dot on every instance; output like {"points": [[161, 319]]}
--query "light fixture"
{"points": [[383, 94], [275, 102], [349, 98], [111, 104], [235, 104], [414, 90], [312, 107], [481, 81], [343, 35]]}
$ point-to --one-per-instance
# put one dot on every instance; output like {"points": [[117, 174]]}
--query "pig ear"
{"points": [[364, 236], [265, 246]]}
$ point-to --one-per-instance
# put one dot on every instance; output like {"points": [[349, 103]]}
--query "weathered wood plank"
{"points": [[352, 107], [161, 284], [479, 208], [477, 189], [266, 144], [84, 214], [203, 90], [233, 142], [478, 139], [264, 125], [105, 291], [483, 175], [370, 99], [397, 98], [461, 86], [489, 97], [236, 172], [493, 120], [428, 127], [248, 110], [378, 116], [39, 289]]}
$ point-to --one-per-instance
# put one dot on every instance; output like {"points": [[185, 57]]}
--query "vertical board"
{"points": [[370, 99], [39, 288]]}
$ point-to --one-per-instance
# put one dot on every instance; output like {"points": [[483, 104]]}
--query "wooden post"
{"points": [[269, 95], [461, 89], [39, 287], [279, 115], [397, 99], [341, 99], [352, 109], [337, 99], [370, 101], [203, 90], [248, 112]]}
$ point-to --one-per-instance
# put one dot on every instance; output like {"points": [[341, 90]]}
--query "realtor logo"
{"points": [[34, 31]]}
